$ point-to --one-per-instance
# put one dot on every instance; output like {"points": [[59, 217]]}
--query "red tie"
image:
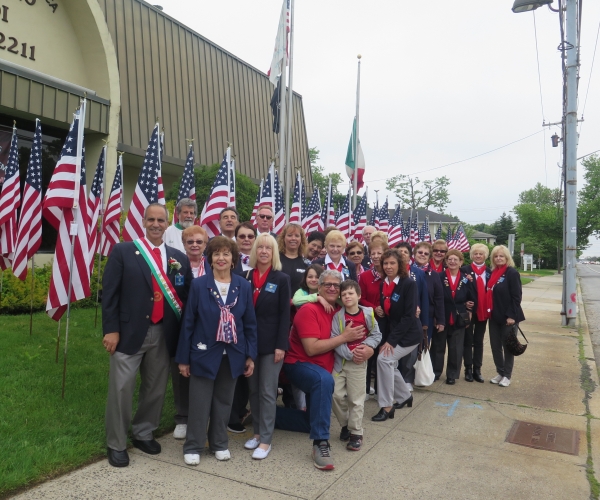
{"points": [[159, 305]]}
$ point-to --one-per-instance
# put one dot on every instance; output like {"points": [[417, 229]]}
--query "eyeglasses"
{"points": [[197, 242], [424, 253], [263, 216], [331, 285], [437, 250], [244, 237], [358, 252]]}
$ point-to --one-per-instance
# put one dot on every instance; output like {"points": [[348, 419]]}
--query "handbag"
{"points": [[512, 342], [424, 375], [462, 319]]}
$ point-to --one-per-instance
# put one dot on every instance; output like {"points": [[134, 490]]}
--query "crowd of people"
{"points": [[248, 315]]}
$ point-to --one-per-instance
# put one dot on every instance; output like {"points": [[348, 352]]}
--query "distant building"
{"points": [[489, 239]]}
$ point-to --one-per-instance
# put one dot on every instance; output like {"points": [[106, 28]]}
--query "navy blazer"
{"points": [[402, 325], [198, 346], [507, 294], [273, 312], [464, 293], [436, 297], [128, 297], [468, 270], [418, 275], [349, 273]]}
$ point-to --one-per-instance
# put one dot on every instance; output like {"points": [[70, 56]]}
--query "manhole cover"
{"points": [[544, 437]]}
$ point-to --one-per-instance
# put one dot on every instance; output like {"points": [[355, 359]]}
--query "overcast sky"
{"points": [[440, 82]]}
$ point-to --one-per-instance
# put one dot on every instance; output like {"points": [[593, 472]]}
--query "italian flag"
{"points": [[351, 163]]}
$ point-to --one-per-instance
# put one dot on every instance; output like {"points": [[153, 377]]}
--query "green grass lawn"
{"points": [[41, 434], [538, 272], [524, 281]]}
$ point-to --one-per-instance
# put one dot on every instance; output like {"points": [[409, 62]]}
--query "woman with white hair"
{"points": [[475, 332], [271, 296], [503, 298]]}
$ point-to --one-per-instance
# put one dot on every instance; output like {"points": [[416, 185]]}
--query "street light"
{"points": [[527, 5]]}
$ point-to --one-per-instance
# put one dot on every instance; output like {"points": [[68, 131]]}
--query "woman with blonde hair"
{"points": [[335, 243], [503, 298], [475, 332]]}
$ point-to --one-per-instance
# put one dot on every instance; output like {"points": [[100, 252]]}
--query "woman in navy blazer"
{"points": [[437, 318], [459, 297], [217, 344], [271, 293], [504, 295]]}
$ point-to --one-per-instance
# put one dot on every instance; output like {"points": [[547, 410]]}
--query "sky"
{"points": [[441, 82]]}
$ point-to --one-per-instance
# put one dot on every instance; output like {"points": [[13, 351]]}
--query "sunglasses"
{"points": [[358, 252], [331, 285], [423, 253], [197, 242], [244, 237], [267, 217], [435, 250]]}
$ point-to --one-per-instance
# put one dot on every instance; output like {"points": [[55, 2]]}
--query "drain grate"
{"points": [[544, 437]]}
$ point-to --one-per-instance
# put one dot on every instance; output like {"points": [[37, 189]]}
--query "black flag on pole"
{"points": [[276, 107]]}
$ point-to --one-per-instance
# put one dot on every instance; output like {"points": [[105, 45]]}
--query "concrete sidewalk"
{"points": [[450, 445]]}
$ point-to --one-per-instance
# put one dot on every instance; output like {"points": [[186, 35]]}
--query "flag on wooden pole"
{"points": [[95, 203], [10, 201], [296, 210], [114, 208], [344, 220], [256, 203], [278, 205], [360, 218], [187, 186], [313, 221], [218, 199]]}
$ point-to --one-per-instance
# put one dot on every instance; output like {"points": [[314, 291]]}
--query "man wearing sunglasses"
{"points": [[308, 365], [264, 220], [185, 215]]}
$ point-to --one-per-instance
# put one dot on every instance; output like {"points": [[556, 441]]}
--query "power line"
{"points": [[590, 79], [537, 55]]}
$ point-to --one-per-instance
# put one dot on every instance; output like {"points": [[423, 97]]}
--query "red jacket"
{"points": [[369, 289]]}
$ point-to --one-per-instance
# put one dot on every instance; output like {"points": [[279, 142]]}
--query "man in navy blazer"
{"points": [[141, 330]]}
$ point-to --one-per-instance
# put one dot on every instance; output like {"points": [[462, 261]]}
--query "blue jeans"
{"points": [[318, 384]]}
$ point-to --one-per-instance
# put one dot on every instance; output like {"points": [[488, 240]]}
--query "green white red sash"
{"points": [[161, 278]]}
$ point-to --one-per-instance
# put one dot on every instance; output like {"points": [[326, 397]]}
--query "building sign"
{"points": [[11, 43]]}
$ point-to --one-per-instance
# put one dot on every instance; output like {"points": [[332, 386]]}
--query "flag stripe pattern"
{"points": [[395, 232], [256, 203], [278, 206], [460, 240], [360, 218], [112, 214], [65, 204], [344, 221], [29, 234], [10, 201], [218, 199], [296, 209], [147, 189], [187, 187], [232, 184], [384, 218], [95, 203], [313, 220]]}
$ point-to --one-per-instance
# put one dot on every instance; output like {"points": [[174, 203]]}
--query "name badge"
{"points": [[201, 346], [465, 280], [395, 297], [179, 279], [301, 271], [501, 279], [345, 271], [271, 287]]}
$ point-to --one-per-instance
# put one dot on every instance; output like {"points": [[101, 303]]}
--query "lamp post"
{"points": [[571, 47]]}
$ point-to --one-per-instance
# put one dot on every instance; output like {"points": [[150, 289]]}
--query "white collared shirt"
{"points": [[396, 280], [342, 262], [163, 253]]}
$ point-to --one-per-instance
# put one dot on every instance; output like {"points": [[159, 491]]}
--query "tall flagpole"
{"points": [[282, 122], [290, 109], [355, 180]]}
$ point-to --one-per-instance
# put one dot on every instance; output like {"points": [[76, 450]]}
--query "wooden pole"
{"points": [[31, 301]]}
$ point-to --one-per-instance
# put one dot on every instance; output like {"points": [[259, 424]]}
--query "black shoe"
{"points": [[345, 433], [437, 377], [152, 447], [477, 375], [468, 374], [117, 458], [236, 428], [450, 381], [355, 442], [383, 415], [407, 402]]}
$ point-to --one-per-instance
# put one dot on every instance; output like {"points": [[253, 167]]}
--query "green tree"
{"points": [[321, 180], [245, 190], [588, 209], [502, 228], [414, 193]]}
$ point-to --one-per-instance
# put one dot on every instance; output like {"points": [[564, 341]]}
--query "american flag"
{"points": [[266, 196], [256, 203], [148, 188], [303, 203], [65, 204], [94, 205], [396, 228], [426, 232], [296, 210], [360, 218], [384, 217], [29, 235], [449, 237], [328, 212], [278, 206], [187, 187], [438, 233], [344, 220], [460, 240], [406, 228], [10, 201], [232, 183], [414, 230], [114, 208], [375, 215], [281, 44], [218, 199], [313, 220]]}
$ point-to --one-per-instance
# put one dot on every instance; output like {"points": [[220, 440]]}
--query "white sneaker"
{"points": [[180, 431], [252, 444], [260, 454], [372, 390], [191, 459], [222, 455], [367, 397], [505, 382], [497, 379], [410, 387]]}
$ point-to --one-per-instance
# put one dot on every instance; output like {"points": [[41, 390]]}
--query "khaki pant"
{"points": [[351, 382]]}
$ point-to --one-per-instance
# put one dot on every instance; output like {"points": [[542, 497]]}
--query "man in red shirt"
{"points": [[308, 365]]}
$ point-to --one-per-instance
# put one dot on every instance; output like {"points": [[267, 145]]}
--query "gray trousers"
{"points": [[263, 395], [152, 361], [181, 393], [209, 400], [390, 384], [406, 365], [503, 359]]}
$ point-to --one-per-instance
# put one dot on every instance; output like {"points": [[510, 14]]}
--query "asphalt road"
{"points": [[589, 277]]}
